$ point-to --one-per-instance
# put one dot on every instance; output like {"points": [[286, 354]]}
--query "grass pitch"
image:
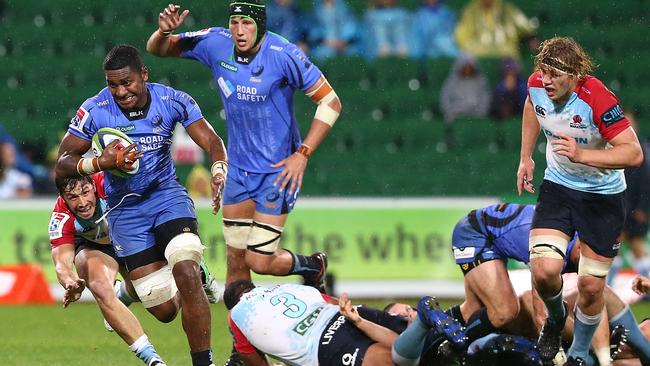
{"points": [[53, 336]]}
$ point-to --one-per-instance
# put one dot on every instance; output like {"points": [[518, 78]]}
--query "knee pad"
{"points": [[592, 267], [184, 247], [156, 288], [548, 246], [235, 232], [264, 238]]}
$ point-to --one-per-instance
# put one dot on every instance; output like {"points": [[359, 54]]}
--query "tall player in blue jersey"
{"points": [[151, 218], [589, 142], [257, 79]]}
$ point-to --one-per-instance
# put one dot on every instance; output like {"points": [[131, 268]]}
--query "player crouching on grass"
{"points": [[79, 235]]}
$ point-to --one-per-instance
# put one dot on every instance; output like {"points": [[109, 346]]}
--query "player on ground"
{"points": [[257, 79], [301, 326], [152, 221], [76, 238], [589, 141]]}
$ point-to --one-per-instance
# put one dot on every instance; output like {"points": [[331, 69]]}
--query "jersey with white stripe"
{"points": [[285, 321], [592, 116], [151, 127], [257, 94]]}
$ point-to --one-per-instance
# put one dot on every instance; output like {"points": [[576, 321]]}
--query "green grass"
{"points": [[53, 336]]}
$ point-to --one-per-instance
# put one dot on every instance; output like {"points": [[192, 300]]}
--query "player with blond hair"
{"points": [[589, 143]]}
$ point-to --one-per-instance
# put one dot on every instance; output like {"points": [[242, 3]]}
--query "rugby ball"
{"points": [[105, 136]]}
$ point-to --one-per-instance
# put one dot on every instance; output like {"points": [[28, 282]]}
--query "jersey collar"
{"points": [[138, 113]]}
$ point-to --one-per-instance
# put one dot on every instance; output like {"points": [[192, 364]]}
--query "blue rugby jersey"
{"points": [[592, 116], [257, 94], [152, 128]]}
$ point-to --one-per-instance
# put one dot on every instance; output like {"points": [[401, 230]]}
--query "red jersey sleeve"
{"points": [[242, 345], [535, 80], [607, 112], [98, 178], [61, 228]]}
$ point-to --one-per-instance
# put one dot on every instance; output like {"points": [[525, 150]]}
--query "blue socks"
{"points": [[144, 350], [408, 346], [584, 329]]}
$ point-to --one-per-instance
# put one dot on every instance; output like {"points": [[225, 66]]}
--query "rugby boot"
{"points": [[617, 340], [448, 354], [210, 284], [431, 315], [234, 360], [577, 361], [550, 339], [515, 344], [156, 362], [317, 280]]}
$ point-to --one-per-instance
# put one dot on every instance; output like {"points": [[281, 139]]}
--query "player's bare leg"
{"points": [[264, 257], [490, 284], [377, 354], [195, 306], [99, 270], [237, 214]]}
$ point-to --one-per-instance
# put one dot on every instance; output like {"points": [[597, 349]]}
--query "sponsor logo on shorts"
{"points": [[304, 325], [464, 253], [616, 246], [329, 333], [350, 358]]}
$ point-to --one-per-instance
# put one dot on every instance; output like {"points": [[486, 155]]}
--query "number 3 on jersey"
{"points": [[295, 307]]}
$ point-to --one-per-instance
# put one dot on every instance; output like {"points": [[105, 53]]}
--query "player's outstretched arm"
{"points": [[63, 257], [374, 331], [204, 135], [162, 42]]}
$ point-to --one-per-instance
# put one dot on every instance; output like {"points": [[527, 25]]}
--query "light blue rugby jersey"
{"points": [[152, 128], [592, 116], [257, 95]]}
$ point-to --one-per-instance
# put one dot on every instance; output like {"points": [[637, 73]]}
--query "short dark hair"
{"points": [[234, 291], [122, 56], [67, 184]]}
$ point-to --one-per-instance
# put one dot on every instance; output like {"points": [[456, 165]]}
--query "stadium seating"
{"points": [[387, 139]]}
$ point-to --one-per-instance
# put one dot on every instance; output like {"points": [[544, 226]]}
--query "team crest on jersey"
{"points": [[79, 120], [156, 120], [57, 221], [257, 70], [576, 122], [612, 115]]}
